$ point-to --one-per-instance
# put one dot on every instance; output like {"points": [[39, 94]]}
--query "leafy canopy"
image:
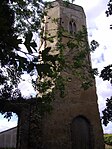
{"points": [[20, 23]]}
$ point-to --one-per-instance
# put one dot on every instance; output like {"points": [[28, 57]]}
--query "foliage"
{"points": [[19, 21], [107, 112], [52, 65], [19, 24], [106, 75], [81, 67], [108, 139], [15, 29], [109, 10]]}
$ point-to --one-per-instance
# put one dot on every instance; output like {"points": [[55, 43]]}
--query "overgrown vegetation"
{"points": [[20, 23]]}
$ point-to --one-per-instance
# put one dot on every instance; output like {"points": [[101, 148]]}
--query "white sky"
{"points": [[98, 29]]}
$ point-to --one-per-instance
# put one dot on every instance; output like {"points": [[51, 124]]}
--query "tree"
{"points": [[19, 21]]}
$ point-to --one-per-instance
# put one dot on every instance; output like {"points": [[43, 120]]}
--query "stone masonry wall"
{"points": [[77, 102]]}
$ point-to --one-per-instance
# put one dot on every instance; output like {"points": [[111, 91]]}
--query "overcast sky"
{"points": [[98, 29]]}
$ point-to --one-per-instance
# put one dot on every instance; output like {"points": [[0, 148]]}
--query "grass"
{"points": [[108, 141]]}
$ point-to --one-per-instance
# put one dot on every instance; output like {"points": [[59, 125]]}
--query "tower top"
{"points": [[60, 1], [68, 5]]}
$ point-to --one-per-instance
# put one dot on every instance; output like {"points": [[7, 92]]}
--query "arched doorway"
{"points": [[81, 136]]}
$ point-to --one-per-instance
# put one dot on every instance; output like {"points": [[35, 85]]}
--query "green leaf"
{"points": [[30, 67], [27, 43], [93, 45]]}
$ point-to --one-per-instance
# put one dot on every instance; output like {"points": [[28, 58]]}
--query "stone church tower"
{"points": [[74, 122]]}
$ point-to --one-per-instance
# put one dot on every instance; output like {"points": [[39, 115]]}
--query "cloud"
{"points": [[92, 10], [96, 9], [26, 87], [108, 129]]}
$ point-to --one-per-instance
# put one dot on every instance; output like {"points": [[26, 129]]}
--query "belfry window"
{"points": [[72, 27]]}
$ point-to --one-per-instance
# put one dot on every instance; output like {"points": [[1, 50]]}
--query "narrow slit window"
{"points": [[70, 27], [74, 28]]}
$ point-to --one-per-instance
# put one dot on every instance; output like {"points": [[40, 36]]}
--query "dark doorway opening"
{"points": [[81, 133]]}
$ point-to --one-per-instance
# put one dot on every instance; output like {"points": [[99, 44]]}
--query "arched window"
{"points": [[72, 27], [81, 137]]}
